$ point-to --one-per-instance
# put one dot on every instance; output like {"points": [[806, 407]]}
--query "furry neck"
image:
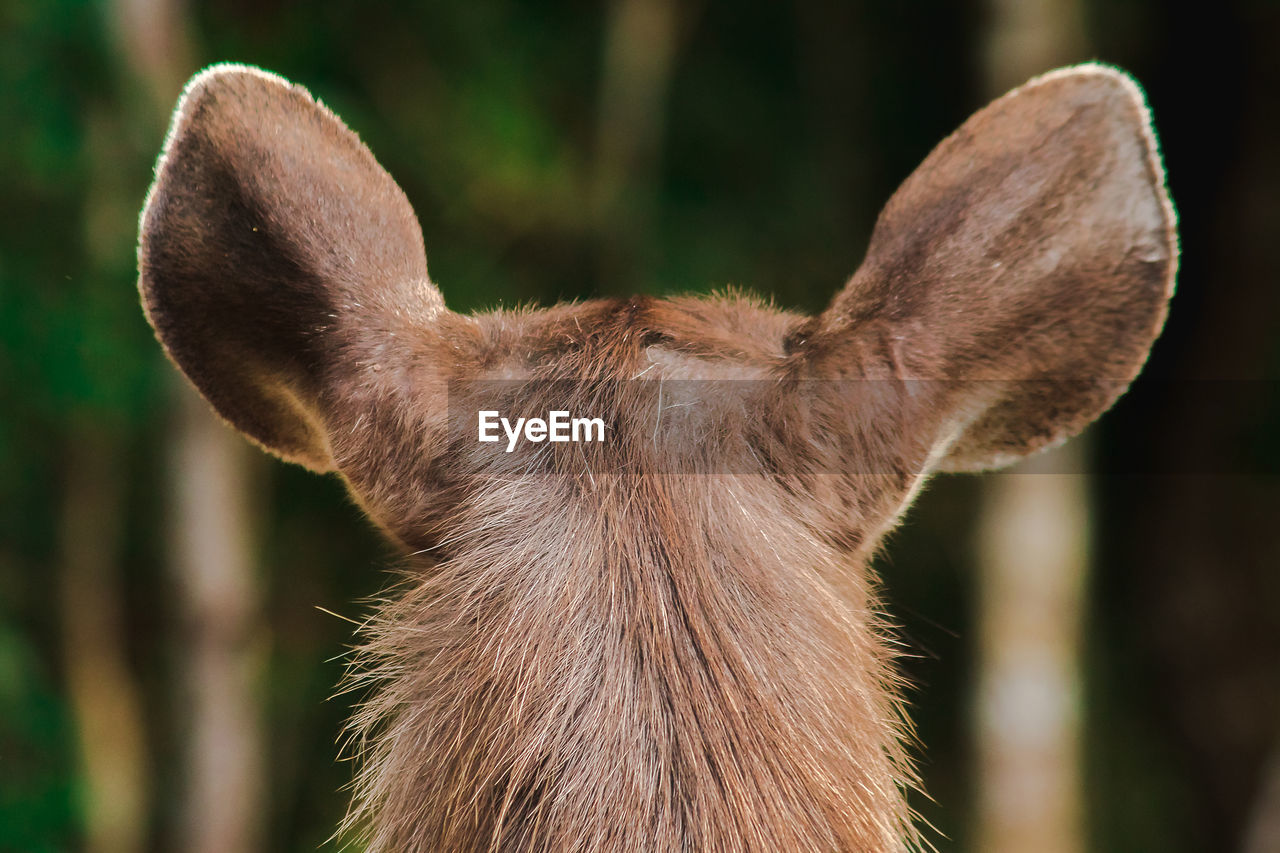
{"points": [[614, 675]]}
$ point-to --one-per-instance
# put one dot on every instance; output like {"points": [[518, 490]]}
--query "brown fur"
{"points": [[669, 640]]}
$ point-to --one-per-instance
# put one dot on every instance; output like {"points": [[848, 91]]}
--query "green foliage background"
{"points": [[786, 127]]}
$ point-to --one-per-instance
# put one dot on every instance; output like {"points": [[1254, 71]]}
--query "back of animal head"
{"points": [[664, 637]]}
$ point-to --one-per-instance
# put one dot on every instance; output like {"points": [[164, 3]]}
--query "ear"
{"points": [[1027, 262], [271, 239]]}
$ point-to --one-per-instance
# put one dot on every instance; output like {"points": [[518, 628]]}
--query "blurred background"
{"points": [[175, 607]]}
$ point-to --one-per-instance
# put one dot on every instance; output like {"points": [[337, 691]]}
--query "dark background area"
{"points": [[781, 130]]}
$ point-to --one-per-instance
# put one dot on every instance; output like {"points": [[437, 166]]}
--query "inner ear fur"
{"points": [[269, 237], [1021, 273]]}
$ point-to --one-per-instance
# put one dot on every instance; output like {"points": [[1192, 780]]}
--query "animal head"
{"points": [[667, 637]]}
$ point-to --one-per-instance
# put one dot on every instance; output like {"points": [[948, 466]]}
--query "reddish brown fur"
{"points": [[669, 640]]}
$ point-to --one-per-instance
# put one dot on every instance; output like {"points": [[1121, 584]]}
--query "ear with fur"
{"points": [[269, 236], [1027, 263]]}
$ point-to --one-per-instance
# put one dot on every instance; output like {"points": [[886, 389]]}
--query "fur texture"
{"points": [[669, 640]]}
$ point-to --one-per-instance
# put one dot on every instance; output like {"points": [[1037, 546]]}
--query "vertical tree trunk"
{"points": [[1034, 558], [1033, 561], [103, 691], [1262, 832], [222, 631], [639, 49]]}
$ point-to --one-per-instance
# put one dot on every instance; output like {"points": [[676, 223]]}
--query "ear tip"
{"points": [[225, 83], [227, 90], [223, 75], [215, 84], [1093, 71], [1116, 87], [1102, 82]]}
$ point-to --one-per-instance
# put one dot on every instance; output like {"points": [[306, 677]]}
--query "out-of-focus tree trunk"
{"points": [[1033, 561], [1034, 558], [103, 690], [221, 627], [640, 44], [1028, 37], [107, 705], [222, 632], [1263, 829]]}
